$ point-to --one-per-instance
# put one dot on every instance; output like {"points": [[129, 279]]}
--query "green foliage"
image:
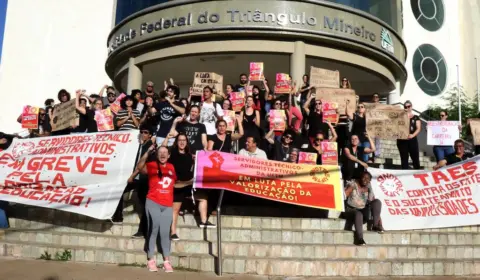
{"points": [[469, 108], [65, 256], [46, 256]]}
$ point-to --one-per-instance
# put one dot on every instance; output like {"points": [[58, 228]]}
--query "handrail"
{"points": [[219, 233]]}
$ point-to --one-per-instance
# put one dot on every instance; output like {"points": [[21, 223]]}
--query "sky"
{"points": [[3, 14]]}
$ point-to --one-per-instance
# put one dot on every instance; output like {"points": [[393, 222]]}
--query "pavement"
{"points": [[18, 269]]}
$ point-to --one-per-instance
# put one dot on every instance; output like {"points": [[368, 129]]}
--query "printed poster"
{"points": [[238, 100], [277, 120], [282, 83], [330, 153], [115, 106], [307, 158], [30, 117], [229, 117], [104, 119], [256, 71]]}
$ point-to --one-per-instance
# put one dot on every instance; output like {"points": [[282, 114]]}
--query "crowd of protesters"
{"points": [[173, 129]]}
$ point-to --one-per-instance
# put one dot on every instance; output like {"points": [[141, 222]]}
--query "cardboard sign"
{"points": [[324, 78], [307, 158], [339, 96], [256, 71], [282, 83], [277, 120], [115, 106], [30, 117], [371, 106], [65, 115], [475, 129], [330, 153], [387, 123], [442, 133], [203, 79], [229, 117], [104, 119], [238, 100]]}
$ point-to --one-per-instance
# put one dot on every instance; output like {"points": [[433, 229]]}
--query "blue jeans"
{"points": [[442, 151], [365, 144], [3, 215], [268, 106]]}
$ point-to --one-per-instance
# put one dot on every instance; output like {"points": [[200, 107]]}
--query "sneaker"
{"points": [[174, 237], [138, 235], [360, 242], [207, 224], [378, 229], [167, 266], [152, 265]]}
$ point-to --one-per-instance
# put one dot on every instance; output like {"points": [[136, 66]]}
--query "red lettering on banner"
{"points": [[98, 164], [58, 178], [82, 167], [422, 177], [62, 164]]}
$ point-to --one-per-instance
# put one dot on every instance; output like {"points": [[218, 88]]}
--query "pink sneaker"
{"points": [[152, 265], [167, 266]]}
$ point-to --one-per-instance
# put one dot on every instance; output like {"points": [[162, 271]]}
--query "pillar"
{"points": [[298, 62], [134, 80], [394, 96]]}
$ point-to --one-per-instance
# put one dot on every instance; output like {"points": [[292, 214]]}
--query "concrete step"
{"points": [[260, 265]]}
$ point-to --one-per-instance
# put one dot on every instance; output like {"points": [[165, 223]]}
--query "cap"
{"points": [[149, 84]]}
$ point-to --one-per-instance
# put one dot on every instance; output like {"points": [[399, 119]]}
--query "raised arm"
{"points": [[102, 90], [348, 112], [237, 136], [306, 106], [269, 137], [81, 110], [334, 133], [372, 148], [267, 89], [177, 108], [143, 159]]}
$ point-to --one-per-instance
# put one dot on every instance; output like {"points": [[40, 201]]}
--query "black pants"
{"points": [[406, 148], [142, 190], [360, 216], [477, 150]]}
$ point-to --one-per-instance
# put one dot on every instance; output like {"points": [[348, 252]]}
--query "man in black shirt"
{"points": [[243, 83], [456, 157], [281, 150]]}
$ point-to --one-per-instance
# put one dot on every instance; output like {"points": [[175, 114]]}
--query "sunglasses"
{"points": [[42, 114], [344, 80], [278, 103], [145, 132], [318, 103], [360, 107], [441, 116], [288, 137], [111, 94], [319, 139], [408, 106]]}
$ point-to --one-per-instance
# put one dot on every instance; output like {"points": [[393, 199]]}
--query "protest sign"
{"points": [[339, 96], [203, 79], [329, 110], [449, 197], [442, 133], [249, 90], [282, 83], [307, 158], [299, 184], [475, 129], [115, 106], [65, 115], [324, 78], [256, 71], [238, 100], [81, 173], [387, 123], [104, 119], [330, 153], [229, 117], [277, 120], [372, 106], [30, 117]]}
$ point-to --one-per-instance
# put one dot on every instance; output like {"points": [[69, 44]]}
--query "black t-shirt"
{"points": [[413, 123], [91, 122], [453, 158], [166, 115], [281, 153], [316, 124], [353, 169], [359, 127], [238, 88], [183, 164], [194, 132], [222, 146], [82, 123]]}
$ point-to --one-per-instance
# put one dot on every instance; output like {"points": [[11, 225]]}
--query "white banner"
{"points": [[449, 197], [442, 133], [80, 173]]}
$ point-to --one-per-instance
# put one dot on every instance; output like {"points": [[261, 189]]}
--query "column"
{"points": [[134, 80], [394, 96], [298, 62]]}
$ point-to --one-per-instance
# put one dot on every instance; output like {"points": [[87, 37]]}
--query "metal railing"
{"points": [[219, 233]]}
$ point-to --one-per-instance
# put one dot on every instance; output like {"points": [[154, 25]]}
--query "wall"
{"points": [[49, 45]]}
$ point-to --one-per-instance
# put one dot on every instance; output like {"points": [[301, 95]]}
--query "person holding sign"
{"points": [[345, 83], [359, 126], [251, 121], [316, 146], [222, 141], [441, 152], [315, 119], [91, 124], [410, 145], [457, 156], [353, 156]]}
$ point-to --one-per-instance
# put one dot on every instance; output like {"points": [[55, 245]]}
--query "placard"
{"points": [[30, 117], [339, 96], [277, 120], [116, 106], [104, 119], [256, 71], [475, 129], [330, 153], [282, 83], [386, 123], [229, 118], [442, 133], [238, 100], [203, 79], [65, 115], [249, 90], [329, 111], [324, 78], [307, 158]]}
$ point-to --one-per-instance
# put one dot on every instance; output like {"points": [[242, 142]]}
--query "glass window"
{"points": [[430, 14], [128, 7], [429, 69]]}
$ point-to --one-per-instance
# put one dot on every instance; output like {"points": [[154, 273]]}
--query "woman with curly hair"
{"points": [[129, 117]]}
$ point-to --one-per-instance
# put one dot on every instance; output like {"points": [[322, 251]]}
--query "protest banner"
{"points": [[339, 96], [256, 71], [238, 100], [229, 117], [30, 117], [449, 197], [442, 133], [299, 184], [282, 83], [475, 129], [203, 79], [115, 106], [65, 115], [329, 110], [277, 120], [307, 158], [104, 119], [330, 153], [324, 78], [387, 123], [81, 173]]}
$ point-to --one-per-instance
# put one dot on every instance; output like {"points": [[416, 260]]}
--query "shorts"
{"points": [[180, 194]]}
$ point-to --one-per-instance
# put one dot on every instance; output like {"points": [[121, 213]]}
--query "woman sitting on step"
{"points": [[360, 201]]}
